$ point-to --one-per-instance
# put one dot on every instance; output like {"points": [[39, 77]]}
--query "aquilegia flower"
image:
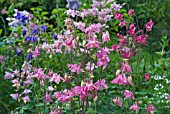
{"points": [[73, 4], [134, 107]]}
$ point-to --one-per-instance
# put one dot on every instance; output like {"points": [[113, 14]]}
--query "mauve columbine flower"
{"points": [[93, 43], [8, 75], [14, 96], [47, 98], [32, 25], [131, 12], [26, 91], [150, 109], [129, 94], [26, 99], [50, 88], [149, 25], [134, 107]]}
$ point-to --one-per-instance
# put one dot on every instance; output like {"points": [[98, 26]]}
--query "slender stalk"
{"points": [[106, 104]]}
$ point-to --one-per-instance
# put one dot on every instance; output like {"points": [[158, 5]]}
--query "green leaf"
{"points": [[44, 13], [54, 11], [40, 104], [53, 17]]}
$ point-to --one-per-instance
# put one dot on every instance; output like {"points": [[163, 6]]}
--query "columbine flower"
{"points": [[73, 4], [31, 39], [26, 91], [129, 94], [8, 75], [103, 58], [147, 77], [18, 51], [56, 78], [14, 96], [75, 68], [121, 80], [149, 25], [26, 99], [116, 6], [36, 52], [105, 37], [118, 16], [47, 98], [122, 23], [150, 109], [134, 107], [131, 12], [117, 101], [24, 32], [29, 56], [50, 88], [126, 67], [100, 84]]}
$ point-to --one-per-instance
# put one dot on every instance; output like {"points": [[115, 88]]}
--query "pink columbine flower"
{"points": [[93, 43], [122, 23], [36, 52], [3, 11], [32, 25], [47, 98], [39, 74], [121, 80], [117, 101], [146, 76], [141, 39], [14, 96], [134, 107], [80, 26], [103, 58], [93, 28], [118, 16], [131, 12], [50, 88], [56, 78], [129, 94], [26, 99], [149, 25], [106, 37], [168, 97], [150, 109], [101, 84], [8, 75], [75, 68], [90, 66], [126, 67]]}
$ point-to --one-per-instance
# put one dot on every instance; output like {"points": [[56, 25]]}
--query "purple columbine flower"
{"points": [[36, 31], [31, 39], [54, 36], [24, 32], [29, 56], [18, 51], [44, 28], [73, 4], [21, 17]]}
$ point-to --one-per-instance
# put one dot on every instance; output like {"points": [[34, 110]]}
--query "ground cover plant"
{"points": [[83, 59]]}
